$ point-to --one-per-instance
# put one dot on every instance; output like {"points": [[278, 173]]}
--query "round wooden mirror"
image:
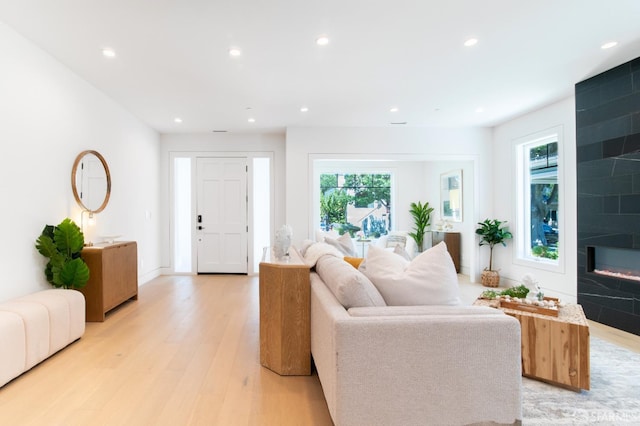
{"points": [[91, 181]]}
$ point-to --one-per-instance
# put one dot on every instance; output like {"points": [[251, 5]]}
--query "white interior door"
{"points": [[221, 215]]}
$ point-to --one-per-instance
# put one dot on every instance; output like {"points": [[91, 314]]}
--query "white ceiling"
{"points": [[172, 57]]}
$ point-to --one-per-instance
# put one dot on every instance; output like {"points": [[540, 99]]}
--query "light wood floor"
{"points": [[185, 353]]}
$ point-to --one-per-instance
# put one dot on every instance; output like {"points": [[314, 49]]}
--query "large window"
{"points": [[539, 202], [356, 202]]}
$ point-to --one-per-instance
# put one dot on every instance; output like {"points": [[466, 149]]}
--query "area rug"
{"points": [[614, 398]]}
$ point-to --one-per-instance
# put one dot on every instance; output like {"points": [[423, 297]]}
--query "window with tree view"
{"points": [[356, 203], [541, 191]]}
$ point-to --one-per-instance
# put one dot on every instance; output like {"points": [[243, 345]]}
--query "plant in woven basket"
{"points": [[492, 232]]}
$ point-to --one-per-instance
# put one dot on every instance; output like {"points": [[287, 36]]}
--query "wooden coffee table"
{"points": [[554, 349]]}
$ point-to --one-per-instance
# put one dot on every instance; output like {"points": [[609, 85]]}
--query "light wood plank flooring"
{"points": [[185, 353]]}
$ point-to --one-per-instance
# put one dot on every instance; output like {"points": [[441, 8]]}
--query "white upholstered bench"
{"points": [[35, 326]]}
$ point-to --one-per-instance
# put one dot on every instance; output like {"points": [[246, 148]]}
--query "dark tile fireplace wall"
{"points": [[608, 167]]}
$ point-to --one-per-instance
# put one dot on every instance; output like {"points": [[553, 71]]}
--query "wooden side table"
{"points": [[452, 240], [554, 349], [285, 303]]}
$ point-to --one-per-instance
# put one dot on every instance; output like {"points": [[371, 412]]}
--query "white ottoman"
{"points": [[36, 326], [12, 342]]}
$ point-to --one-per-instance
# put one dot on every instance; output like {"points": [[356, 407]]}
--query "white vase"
{"points": [[282, 242]]}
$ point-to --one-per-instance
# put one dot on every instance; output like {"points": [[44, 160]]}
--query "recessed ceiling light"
{"points": [[609, 45], [178, 120], [322, 40], [251, 120], [109, 53], [471, 42], [235, 51], [393, 109], [304, 109]]}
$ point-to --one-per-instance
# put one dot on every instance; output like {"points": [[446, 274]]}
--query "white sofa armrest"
{"points": [[394, 311]]}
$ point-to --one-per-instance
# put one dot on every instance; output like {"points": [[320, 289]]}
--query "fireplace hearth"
{"points": [[614, 262], [608, 184]]}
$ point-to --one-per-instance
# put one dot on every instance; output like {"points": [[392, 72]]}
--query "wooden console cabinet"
{"points": [[285, 304], [452, 240], [113, 279]]}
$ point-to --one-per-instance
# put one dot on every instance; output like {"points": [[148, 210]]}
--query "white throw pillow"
{"points": [[401, 252], [304, 246], [397, 241], [317, 250], [344, 243], [350, 286], [410, 244], [429, 279], [320, 235]]}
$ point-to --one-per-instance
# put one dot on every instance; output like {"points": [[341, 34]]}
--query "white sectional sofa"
{"points": [[410, 365], [35, 326]]}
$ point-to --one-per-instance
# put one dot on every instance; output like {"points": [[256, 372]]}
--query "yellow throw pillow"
{"points": [[353, 261]]}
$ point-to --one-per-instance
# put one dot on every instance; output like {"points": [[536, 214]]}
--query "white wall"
{"points": [[468, 148], [49, 115], [248, 145], [564, 283]]}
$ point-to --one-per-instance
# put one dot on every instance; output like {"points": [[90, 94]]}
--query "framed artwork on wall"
{"points": [[451, 196]]}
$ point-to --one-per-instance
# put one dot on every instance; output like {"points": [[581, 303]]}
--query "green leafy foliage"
{"points": [[333, 206], [489, 294], [520, 291], [545, 252], [492, 232], [421, 214], [62, 245]]}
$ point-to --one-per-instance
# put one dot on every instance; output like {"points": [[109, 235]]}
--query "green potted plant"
{"points": [[492, 232], [421, 214], [62, 245]]}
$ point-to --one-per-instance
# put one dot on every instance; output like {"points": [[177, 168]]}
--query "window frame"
{"points": [[522, 235]]}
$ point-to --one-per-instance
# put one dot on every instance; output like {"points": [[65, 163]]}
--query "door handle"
{"points": [[200, 228]]}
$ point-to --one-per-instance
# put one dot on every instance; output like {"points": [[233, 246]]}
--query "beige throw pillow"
{"points": [[344, 243], [396, 240], [350, 286], [429, 279]]}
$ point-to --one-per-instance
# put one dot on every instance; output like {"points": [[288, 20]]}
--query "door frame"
{"points": [[193, 155]]}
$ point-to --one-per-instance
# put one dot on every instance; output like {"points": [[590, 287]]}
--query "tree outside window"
{"points": [[356, 202], [543, 199]]}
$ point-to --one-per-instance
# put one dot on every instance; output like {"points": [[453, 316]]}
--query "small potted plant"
{"points": [[421, 214], [492, 232]]}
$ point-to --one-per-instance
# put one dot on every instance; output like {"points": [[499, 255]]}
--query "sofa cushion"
{"points": [[350, 286], [429, 279], [344, 243]]}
